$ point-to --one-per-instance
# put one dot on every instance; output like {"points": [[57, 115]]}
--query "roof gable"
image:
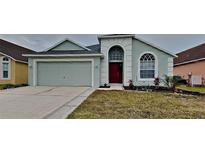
{"points": [[68, 45]]}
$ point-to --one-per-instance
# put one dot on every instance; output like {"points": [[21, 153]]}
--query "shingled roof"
{"points": [[14, 51], [191, 55], [95, 47]]}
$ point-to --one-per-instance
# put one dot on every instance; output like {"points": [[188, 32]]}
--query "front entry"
{"points": [[115, 72]]}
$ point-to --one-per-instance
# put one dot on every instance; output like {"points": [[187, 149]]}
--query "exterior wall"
{"points": [[96, 67], [126, 44], [164, 64], [21, 73], [196, 68], [67, 45]]}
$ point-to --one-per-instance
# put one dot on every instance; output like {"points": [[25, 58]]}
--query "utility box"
{"points": [[196, 80]]}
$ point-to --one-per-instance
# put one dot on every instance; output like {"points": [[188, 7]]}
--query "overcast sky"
{"points": [[174, 43]]}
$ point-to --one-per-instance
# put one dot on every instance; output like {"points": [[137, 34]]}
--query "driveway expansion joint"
{"points": [[63, 111]]}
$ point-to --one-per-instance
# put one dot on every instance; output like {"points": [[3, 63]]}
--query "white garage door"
{"points": [[64, 74]]}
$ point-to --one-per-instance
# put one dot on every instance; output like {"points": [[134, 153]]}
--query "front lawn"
{"points": [[138, 105], [193, 89]]}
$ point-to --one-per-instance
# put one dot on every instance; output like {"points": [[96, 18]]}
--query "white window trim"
{"points": [[156, 67], [35, 61], [9, 68]]}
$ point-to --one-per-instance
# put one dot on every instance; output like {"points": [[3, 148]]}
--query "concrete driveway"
{"points": [[35, 102]]}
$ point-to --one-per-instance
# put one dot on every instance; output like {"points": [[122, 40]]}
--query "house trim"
{"points": [[35, 61], [13, 58], [156, 67], [63, 55], [191, 61]]}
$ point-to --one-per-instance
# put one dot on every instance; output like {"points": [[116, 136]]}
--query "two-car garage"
{"points": [[65, 64], [83, 71], [64, 73]]}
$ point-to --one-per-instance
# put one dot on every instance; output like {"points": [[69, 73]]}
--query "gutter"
{"points": [[191, 61], [63, 55]]}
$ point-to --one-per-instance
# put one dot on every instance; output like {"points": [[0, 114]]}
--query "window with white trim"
{"points": [[147, 66], [5, 68]]}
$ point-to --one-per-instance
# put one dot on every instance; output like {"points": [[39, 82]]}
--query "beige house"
{"points": [[13, 66], [191, 64]]}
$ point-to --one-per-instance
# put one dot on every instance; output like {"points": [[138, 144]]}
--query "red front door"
{"points": [[115, 72]]}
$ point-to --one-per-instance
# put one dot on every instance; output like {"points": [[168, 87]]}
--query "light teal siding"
{"points": [[81, 72], [67, 45], [138, 49], [64, 74]]}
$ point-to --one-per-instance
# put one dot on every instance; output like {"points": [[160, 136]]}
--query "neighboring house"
{"points": [[116, 59], [191, 63], [13, 66]]}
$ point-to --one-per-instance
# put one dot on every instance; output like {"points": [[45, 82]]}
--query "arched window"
{"points": [[5, 68], [116, 54], [147, 66], [5, 59]]}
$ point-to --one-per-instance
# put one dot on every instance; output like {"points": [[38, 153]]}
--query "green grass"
{"points": [[194, 89], [139, 105]]}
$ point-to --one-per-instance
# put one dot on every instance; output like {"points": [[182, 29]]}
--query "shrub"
{"points": [[8, 86], [179, 80], [170, 82], [156, 81], [131, 85]]}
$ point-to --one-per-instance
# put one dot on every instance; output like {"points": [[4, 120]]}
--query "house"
{"points": [[116, 59], [191, 63], [13, 66]]}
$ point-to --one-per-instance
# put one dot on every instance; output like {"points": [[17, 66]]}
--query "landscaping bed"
{"points": [[149, 88], [9, 86], [140, 105], [193, 89], [188, 92], [196, 91]]}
